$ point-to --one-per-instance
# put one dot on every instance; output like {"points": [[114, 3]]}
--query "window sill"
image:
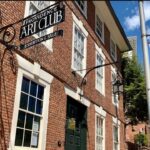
{"points": [[77, 72], [101, 92]]}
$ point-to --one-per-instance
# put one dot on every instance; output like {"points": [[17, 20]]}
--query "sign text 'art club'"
{"points": [[42, 20]]}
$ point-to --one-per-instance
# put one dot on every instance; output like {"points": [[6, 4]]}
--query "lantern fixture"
{"points": [[117, 87]]}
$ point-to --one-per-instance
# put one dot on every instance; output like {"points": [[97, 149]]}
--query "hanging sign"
{"points": [[41, 39], [42, 20]]}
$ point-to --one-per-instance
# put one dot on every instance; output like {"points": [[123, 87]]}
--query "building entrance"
{"points": [[76, 125]]}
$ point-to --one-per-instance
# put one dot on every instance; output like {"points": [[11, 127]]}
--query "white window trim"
{"points": [[102, 114], [27, 69], [113, 70], [76, 96], [84, 12], [48, 43], [99, 51], [101, 38], [114, 58], [77, 23], [116, 123], [100, 111]]}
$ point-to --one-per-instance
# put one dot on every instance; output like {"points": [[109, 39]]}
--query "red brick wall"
{"points": [[58, 63], [91, 14]]}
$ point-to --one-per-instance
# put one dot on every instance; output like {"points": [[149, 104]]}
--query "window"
{"points": [[78, 50], [99, 73], [113, 50], [116, 135], [30, 114], [82, 6], [33, 7], [115, 138], [36, 6], [79, 45], [99, 28], [100, 128], [114, 96], [99, 133], [29, 123]]}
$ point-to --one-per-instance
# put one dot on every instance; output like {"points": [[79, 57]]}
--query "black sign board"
{"points": [[41, 39], [42, 20]]}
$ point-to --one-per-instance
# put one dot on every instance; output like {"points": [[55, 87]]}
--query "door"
{"points": [[76, 125]]}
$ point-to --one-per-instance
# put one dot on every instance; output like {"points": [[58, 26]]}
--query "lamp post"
{"points": [[146, 58]]}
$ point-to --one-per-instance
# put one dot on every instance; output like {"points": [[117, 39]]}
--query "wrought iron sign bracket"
{"points": [[89, 70]]}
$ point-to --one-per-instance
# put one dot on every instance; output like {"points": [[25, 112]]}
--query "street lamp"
{"points": [[117, 87]]}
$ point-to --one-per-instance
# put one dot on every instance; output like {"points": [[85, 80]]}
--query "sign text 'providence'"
{"points": [[42, 20]]}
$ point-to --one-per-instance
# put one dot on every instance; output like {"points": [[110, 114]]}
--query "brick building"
{"points": [[42, 103]]}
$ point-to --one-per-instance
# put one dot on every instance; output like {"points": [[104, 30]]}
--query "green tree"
{"points": [[135, 102], [141, 139]]}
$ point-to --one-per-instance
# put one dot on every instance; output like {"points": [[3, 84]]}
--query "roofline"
{"points": [[118, 24]]}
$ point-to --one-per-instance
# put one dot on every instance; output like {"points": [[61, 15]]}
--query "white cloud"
{"points": [[147, 10], [133, 22]]}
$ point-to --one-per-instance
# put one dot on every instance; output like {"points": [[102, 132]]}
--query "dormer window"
{"points": [[82, 6]]}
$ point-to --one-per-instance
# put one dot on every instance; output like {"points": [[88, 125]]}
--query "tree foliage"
{"points": [[141, 139], [135, 102]]}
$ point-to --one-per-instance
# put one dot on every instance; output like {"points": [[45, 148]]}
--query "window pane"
{"points": [[39, 106], [34, 139], [33, 88], [25, 85], [29, 121], [78, 50], [27, 138], [40, 92], [32, 9], [21, 119], [31, 106], [23, 101], [82, 4], [19, 137], [36, 123], [99, 26]]}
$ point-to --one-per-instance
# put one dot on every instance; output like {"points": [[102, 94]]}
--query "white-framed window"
{"points": [[30, 115], [82, 6], [116, 135], [78, 49], [79, 46], [99, 128], [115, 100], [99, 28], [113, 51], [33, 7], [100, 72], [99, 133]]}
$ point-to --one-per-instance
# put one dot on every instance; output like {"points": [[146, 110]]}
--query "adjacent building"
{"points": [[133, 51], [43, 105]]}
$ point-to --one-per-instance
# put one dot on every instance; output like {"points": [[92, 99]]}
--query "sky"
{"points": [[128, 15]]}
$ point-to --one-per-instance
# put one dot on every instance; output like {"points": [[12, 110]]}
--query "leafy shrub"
{"points": [[141, 139]]}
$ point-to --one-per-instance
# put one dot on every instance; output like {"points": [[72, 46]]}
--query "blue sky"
{"points": [[128, 14]]}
